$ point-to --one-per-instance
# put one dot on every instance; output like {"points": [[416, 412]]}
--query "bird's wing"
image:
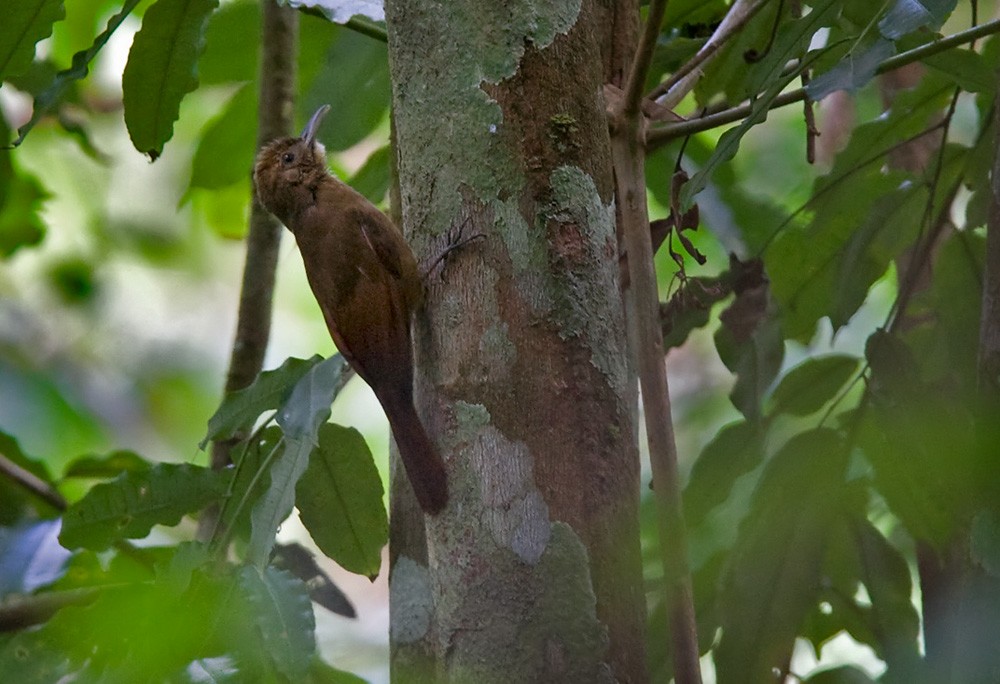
{"points": [[376, 232]]}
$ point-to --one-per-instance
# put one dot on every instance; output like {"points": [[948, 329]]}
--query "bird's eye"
{"points": [[288, 157]]}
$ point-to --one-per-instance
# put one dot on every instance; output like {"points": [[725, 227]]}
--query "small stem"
{"points": [[662, 135], [31, 482], [643, 57], [20, 612]]}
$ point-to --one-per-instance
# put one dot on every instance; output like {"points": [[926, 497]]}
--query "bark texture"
{"points": [[533, 572]]}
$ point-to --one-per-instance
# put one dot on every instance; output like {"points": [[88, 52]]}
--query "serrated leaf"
{"points": [[855, 70], [161, 69], [340, 501], [284, 618], [225, 151], [774, 573], [112, 465], [308, 406], [806, 388], [906, 16], [78, 70], [129, 506], [25, 23], [268, 392]]}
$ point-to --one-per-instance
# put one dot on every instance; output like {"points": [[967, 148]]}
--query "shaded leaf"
{"points": [[129, 506], [284, 618], [300, 562], [161, 69], [308, 406], [774, 574], [340, 501], [78, 69], [225, 151], [372, 179], [853, 71], [112, 465], [985, 542], [967, 69], [735, 450], [268, 392], [15, 502], [275, 503], [25, 23], [755, 362], [809, 386]]}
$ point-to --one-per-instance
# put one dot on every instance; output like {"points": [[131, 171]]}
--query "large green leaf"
{"points": [[268, 392], [809, 386], [111, 465], [225, 152], [284, 617], [129, 506], [340, 501], [78, 69], [735, 450], [308, 406], [25, 23], [161, 69], [774, 574]]}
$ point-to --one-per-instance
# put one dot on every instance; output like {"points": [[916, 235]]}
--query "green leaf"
{"points": [[340, 501], [967, 69], [372, 179], [225, 152], [129, 506], [268, 391], [308, 406], [34, 657], [284, 617], [845, 674], [806, 388], [894, 620], [853, 71], [985, 542], [774, 574], [341, 11], [78, 70], [21, 197], [353, 79], [15, 502], [906, 16], [232, 46], [161, 69], [25, 23], [755, 362], [112, 465], [735, 450], [275, 503]]}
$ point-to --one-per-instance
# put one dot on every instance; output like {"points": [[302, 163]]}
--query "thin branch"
{"points": [[662, 135], [682, 81], [643, 57], [31, 482], [19, 612], [280, 30]]}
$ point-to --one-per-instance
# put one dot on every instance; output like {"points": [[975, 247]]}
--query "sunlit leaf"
{"points": [[340, 501], [25, 23], [773, 578], [809, 386], [129, 506], [268, 391], [161, 69], [284, 617]]}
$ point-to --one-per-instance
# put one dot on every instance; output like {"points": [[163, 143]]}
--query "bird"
{"points": [[366, 281]]}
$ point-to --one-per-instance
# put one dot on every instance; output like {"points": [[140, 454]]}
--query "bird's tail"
{"points": [[423, 464]]}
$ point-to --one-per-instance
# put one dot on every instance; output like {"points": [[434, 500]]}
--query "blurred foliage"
{"points": [[854, 443]]}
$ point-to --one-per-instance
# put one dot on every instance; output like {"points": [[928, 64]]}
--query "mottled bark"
{"points": [[532, 573]]}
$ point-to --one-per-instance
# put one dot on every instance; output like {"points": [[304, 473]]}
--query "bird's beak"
{"points": [[312, 128]]}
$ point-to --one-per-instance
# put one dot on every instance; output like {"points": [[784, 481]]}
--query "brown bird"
{"points": [[365, 278]]}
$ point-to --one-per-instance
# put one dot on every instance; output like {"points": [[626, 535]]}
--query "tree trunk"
{"points": [[533, 571]]}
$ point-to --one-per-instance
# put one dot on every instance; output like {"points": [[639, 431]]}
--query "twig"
{"points": [[670, 92], [31, 482], [661, 135], [643, 57], [24, 611]]}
